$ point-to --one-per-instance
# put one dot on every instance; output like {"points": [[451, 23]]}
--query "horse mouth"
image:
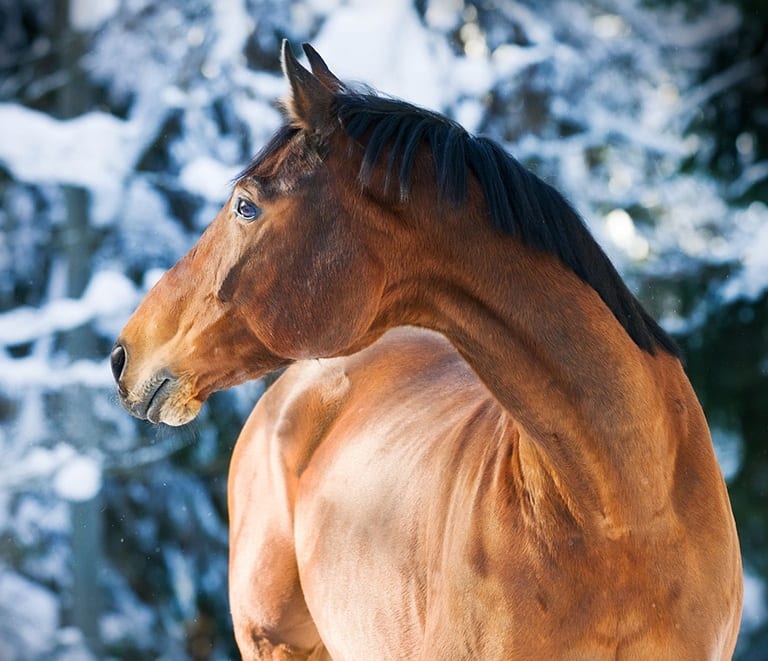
{"points": [[157, 399], [158, 402]]}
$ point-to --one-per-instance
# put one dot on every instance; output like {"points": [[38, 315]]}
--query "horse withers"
{"points": [[498, 455]]}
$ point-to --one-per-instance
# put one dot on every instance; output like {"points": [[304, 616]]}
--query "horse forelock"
{"points": [[260, 162], [280, 165]]}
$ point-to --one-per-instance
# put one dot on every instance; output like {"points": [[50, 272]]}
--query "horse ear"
{"points": [[321, 71], [310, 103]]}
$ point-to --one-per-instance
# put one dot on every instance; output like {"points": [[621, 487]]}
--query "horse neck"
{"points": [[591, 405]]}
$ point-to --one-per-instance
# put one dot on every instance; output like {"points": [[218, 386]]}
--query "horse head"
{"points": [[289, 269]]}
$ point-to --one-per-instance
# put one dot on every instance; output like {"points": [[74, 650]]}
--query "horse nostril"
{"points": [[117, 360]]}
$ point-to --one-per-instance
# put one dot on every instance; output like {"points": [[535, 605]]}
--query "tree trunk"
{"points": [[76, 246]]}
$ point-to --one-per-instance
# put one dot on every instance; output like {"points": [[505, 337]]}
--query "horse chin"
{"points": [[178, 408], [163, 398], [177, 416]]}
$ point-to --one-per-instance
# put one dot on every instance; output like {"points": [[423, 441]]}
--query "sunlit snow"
{"points": [[78, 479]]}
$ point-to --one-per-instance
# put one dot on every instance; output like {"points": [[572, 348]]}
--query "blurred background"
{"points": [[122, 124]]}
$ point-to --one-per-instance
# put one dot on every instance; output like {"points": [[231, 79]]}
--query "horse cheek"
{"points": [[348, 308], [337, 304]]}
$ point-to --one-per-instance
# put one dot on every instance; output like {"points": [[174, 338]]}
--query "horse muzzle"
{"points": [[159, 398]]}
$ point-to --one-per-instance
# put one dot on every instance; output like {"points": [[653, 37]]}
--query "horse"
{"points": [[482, 447]]}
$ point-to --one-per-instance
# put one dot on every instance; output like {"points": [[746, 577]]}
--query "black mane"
{"points": [[519, 202]]}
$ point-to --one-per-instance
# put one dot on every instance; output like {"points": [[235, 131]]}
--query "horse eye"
{"points": [[246, 209]]}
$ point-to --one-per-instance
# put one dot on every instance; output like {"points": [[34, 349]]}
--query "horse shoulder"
{"points": [[393, 491], [269, 613]]}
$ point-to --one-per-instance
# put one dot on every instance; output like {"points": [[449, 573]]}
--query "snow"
{"points": [[90, 14], [209, 178], [752, 279], [182, 580], [151, 278], [264, 87], [729, 448], [610, 26], [511, 59], [92, 151], [37, 372], [469, 113], [755, 610], [232, 24], [443, 14], [78, 480], [72, 646], [109, 293], [38, 464], [472, 76], [622, 231], [29, 617], [146, 235], [323, 7], [392, 51]]}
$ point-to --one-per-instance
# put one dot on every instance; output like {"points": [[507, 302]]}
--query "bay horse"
{"points": [[483, 448]]}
